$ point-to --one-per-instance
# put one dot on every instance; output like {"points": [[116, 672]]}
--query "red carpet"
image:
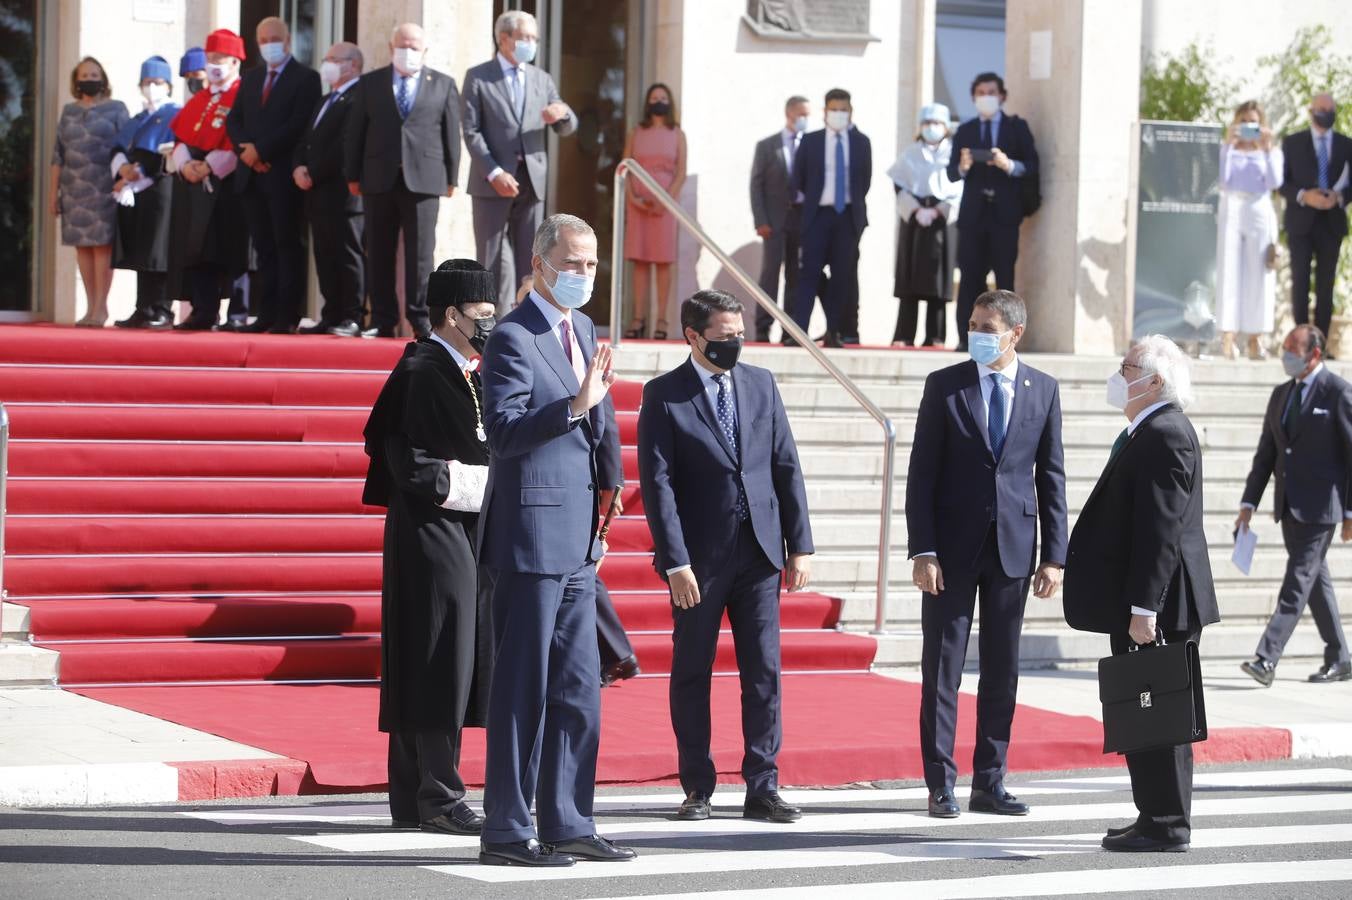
{"points": [[331, 728]]}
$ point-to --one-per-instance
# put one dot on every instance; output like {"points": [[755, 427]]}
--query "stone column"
{"points": [[1073, 70]]}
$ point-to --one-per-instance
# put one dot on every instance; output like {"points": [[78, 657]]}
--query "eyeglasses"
{"points": [[1122, 369]]}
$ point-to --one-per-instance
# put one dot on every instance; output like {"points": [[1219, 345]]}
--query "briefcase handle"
{"points": [[1159, 642]]}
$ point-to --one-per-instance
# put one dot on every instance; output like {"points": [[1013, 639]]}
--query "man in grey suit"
{"points": [[776, 207], [1307, 444], [504, 111]]}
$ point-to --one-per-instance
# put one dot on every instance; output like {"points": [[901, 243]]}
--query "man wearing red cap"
{"points": [[210, 244]]}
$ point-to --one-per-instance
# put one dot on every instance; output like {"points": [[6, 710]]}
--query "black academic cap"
{"points": [[459, 281]]}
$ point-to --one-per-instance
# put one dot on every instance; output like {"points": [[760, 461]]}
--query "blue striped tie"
{"points": [[995, 422], [839, 204], [1321, 147]]}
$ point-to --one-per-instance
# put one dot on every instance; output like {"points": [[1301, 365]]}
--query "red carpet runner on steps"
{"points": [[187, 530]]}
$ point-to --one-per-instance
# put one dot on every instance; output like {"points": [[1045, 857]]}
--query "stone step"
{"points": [[1054, 648], [23, 665], [14, 622]]}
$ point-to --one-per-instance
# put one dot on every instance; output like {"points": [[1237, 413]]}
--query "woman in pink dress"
{"points": [[658, 145]]}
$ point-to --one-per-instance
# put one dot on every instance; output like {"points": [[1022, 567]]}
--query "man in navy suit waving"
{"points": [[724, 497], [986, 465], [547, 409]]}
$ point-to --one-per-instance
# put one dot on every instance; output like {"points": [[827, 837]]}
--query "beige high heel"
{"points": [[1256, 348], [1228, 349]]}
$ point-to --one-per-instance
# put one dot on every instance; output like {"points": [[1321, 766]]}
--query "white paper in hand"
{"points": [[1245, 542]]}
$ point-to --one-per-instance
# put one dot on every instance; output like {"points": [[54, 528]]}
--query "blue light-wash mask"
{"points": [[984, 348]]}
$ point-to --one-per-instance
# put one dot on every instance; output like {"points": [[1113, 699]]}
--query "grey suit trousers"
{"points": [[504, 228], [1306, 581]]}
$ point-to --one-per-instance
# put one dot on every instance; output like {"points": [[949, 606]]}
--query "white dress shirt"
{"points": [[710, 394], [829, 187], [461, 362]]}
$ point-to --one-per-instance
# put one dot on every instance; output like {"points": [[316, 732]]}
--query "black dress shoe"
{"points": [[1114, 832], [282, 329], [157, 322], [961, 347], [381, 332], [831, 339], [625, 668], [1332, 672], [320, 327], [770, 807], [257, 326], [460, 819], [194, 324], [1132, 841], [134, 320], [788, 341], [1260, 670], [522, 853], [345, 328], [998, 801], [942, 805], [593, 848], [409, 824], [695, 808]]}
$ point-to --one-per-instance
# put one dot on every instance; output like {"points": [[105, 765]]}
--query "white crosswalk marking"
{"points": [[1249, 826]]}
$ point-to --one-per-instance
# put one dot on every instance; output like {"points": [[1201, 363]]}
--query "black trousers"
{"points": [[1320, 246], [272, 206], [780, 251], [611, 639], [336, 225], [908, 314], [829, 239], [748, 590], [983, 246], [206, 284], [152, 293], [387, 216], [946, 622], [1306, 582], [424, 772], [1161, 780]]}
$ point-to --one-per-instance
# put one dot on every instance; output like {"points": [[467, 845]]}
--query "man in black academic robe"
{"points": [[429, 463]]}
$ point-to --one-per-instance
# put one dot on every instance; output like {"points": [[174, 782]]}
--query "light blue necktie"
{"points": [[402, 98], [1321, 147], [727, 422], [518, 95], [839, 205], [995, 421]]}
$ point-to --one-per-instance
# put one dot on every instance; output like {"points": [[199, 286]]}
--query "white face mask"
{"points": [[155, 93], [800, 124], [1119, 389], [407, 60], [330, 71], [987, 105], [217, 72], [933, 132], [837, 119], [272, 52]]}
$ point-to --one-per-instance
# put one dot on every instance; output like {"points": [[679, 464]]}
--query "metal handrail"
{"points": [[4, 483], [627, 168]]}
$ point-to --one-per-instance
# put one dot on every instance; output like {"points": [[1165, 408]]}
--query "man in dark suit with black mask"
{"points": [[723, 493], [1138, 566], [994, 153], [335, 215], [268, 119], [1316, 184], [402, 155], [986, 464]]}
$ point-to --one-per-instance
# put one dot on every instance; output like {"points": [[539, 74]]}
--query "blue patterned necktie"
{"points": [[1321, 147], [727, 422], [518, 96], [402, 98], [839, 204], [995, 421], [986, 133]]}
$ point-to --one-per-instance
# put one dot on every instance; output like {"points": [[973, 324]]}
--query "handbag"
{"points": [[1152, 697]]}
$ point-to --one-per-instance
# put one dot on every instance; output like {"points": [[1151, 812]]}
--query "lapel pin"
{"points": [[1027, 383]]}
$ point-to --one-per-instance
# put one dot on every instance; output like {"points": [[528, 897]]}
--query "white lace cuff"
{"points": [[467, 486]]}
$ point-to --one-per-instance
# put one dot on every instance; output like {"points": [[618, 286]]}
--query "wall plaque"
{"points": [[809, 20]]}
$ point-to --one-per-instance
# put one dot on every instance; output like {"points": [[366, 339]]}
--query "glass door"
{"points": [[20, 172]]}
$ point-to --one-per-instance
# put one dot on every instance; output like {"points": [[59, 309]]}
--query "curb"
{"points": [[100, 784]]}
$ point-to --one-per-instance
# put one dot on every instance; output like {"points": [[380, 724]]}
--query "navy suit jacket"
{"points": [[689, 474], [955, 486], [809, 175], [275, 127], [1016, 139], [1300, 170], [540, 505]]}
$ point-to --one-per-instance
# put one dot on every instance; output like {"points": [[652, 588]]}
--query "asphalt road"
{"points": [[1263, 830]]}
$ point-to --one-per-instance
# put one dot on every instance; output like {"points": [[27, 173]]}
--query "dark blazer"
{"points": [[809, 174], [541, 503], [954, 480], [319, 148], [689, 474], [493, 133], [424, 148], [1314, 465], [771, 193], [275, 127], [1140, 539], [1016, 139], [1300, 171]]}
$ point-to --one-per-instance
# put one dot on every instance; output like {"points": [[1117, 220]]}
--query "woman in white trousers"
{"points": [[1246, 243]]}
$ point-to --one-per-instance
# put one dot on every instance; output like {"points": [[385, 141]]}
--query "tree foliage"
{"points": [[1185, 87]]}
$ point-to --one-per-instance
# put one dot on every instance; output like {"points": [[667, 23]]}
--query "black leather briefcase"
{"points": [[1152, 698]]}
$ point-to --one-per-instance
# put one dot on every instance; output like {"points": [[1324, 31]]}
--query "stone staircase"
{"points": [[841, 451]]}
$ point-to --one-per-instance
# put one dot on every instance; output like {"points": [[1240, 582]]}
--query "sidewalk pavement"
{"points": [[61, 749]]}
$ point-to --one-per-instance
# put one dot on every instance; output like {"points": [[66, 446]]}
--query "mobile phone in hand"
{"points": [[981, 155]]}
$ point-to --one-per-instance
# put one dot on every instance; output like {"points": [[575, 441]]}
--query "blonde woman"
{"points": [[1246, 284]]}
